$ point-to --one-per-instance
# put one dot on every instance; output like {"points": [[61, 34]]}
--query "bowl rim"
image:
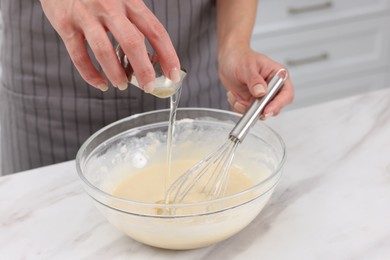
{"points": [[178, 205]]}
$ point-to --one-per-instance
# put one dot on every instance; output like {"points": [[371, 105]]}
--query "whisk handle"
{"points": [[251, 115]]}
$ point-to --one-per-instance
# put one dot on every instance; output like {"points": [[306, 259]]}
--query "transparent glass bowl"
{"points": [[140, 140]]}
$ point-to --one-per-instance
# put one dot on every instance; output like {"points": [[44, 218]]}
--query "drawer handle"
{"points": [[312, 59], [310, 8]]}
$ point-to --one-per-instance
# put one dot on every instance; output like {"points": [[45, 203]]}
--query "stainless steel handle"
{"points": [[310, 8], [312, 59], [251, 116]]}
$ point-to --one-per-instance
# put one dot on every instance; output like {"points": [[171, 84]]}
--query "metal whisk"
{"points": [[213, 171]]}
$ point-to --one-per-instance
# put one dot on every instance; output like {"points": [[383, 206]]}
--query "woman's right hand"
{"points": [[129, 21]]}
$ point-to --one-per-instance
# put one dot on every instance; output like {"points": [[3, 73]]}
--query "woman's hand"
{"points": [[129, 21], [245, 73]]}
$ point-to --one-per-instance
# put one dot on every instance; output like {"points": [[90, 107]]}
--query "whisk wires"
{"points": [[214, 168]]}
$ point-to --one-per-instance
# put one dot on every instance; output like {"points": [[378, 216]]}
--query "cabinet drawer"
{"points": [[318, 92], [276, 15], [330, 51]]}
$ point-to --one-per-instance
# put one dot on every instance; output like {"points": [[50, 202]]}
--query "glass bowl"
{"points": [[140, 140]]}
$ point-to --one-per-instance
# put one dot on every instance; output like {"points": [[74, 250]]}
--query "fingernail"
{"points": [[149, 87], [230, 97], [258, 90], [122, 86], [174, 75], [239, 107], [268, 115], [103, 87]]}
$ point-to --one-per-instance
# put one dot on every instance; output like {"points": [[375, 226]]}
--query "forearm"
{"points": [[242, 71], [235, 20]]}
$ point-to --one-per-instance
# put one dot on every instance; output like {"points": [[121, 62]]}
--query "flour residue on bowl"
{"points": [[123, 159]]}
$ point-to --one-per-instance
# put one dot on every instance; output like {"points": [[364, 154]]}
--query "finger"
{"points": [[231, 99], [283, 98], [236, 106], [133, 45], [240, 108], [158, 37], [255, 82], [104, 52], [79, 55], [241, 94]]}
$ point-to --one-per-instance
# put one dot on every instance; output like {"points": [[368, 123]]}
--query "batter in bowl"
{"points": [[148, 184]]}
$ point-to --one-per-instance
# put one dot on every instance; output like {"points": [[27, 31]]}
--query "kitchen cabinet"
{"points": [[332, 48]]}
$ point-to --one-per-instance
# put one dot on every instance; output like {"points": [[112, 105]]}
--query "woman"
{"points": [[57, 90]]}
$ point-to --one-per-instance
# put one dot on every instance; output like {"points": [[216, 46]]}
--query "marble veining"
{"points": [[332, 201]]}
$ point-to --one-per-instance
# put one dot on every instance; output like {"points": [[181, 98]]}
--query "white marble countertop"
{"points": [[333, 201]]}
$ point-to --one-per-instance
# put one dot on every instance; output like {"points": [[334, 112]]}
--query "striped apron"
{"points": [[46, 109]]}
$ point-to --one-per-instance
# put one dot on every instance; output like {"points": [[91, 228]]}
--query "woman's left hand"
{"points": [[245, 73]]}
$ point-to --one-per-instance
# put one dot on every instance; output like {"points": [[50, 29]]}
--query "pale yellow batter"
{"points": [[198, 224], [149, 184]]}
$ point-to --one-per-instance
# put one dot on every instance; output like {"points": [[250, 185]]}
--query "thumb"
{"points": [[255, 82]]}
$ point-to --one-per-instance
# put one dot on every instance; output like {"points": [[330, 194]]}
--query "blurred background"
{"points": [[333, 48]]}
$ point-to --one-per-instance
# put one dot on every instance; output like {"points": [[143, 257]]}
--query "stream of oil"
{"points": [[174, 101]]}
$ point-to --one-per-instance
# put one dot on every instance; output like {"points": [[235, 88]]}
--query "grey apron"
{"points": [[47, 111]]}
